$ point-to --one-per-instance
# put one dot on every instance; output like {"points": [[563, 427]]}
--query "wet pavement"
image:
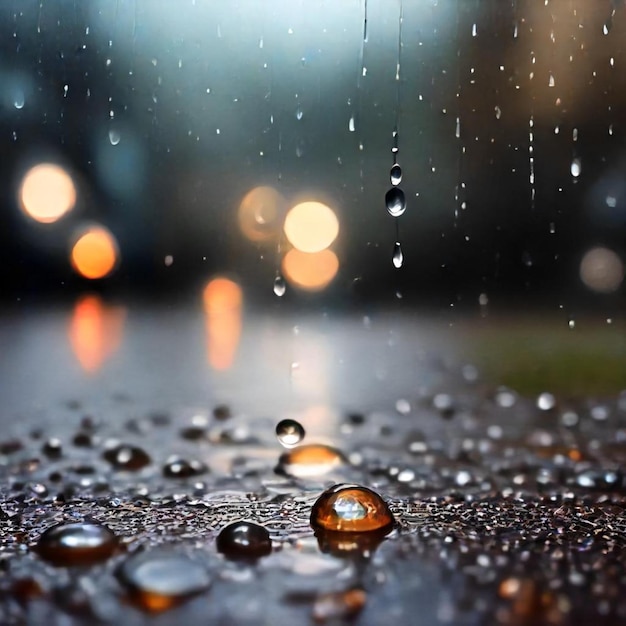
{"points": [[507, 509]]}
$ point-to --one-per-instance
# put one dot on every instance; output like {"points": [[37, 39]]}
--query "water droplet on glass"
{"points": [[351, 126], [126, 457], [606, 27], [18, 100], [114, 137], [161, 579], [551, 81], [546, 401], [299, 113], [244, 540], [395, 174], [76, 544], [178, 467], [279, 286], [351, 508], [398, 257], [457, 132], [474, 31], [575, 168], [310, 460], [498, 111], [395, 202], [289, 432]]}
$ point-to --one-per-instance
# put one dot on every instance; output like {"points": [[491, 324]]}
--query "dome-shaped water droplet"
{"points": [[395, 174], [76, 544], [289, 432], [279, 286], [178, 467], [395, 202], [244, 540], [351, 508], [126, 457], [398, 257], [310, 460], [161, 579], [114, 136]]}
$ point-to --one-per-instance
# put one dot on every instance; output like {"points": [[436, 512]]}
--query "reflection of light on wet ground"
{"points": [[95, 331], [261, 213], [95, 253], [47, 193], [602, 270], [311, 226], [311, 272], [223, 304]]}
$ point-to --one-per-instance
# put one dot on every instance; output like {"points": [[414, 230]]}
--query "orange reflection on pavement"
{"points": [[95, 331], [223, 305]]}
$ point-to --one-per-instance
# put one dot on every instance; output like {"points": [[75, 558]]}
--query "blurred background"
{"points": [[230, 153]]}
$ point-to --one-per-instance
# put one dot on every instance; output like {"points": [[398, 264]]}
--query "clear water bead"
{"points": [[279, 286], [395, 202], [289, 432], [395, 174], [398, 257]]}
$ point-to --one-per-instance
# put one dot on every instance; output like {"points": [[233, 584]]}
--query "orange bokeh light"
{"points": [[261, 213], [95, 253], [95, 331], [223, 305], [311, 272], [47, 193], [311, 226]]}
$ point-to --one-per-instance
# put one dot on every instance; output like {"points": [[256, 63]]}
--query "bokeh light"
{"points": [[311, 226], [311, 272], [47, 193], [223, 304], [95, 331], [95, 253], [261, 213], [602, 270]]}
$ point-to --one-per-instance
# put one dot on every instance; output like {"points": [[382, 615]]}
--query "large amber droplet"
{"points": [[76, 544], [351, 508]]}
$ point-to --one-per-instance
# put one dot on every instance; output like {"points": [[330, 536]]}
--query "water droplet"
{"points": [[310, 460], [114, 136], [395, 174], [161, 579], [606, 27], [52, 448], [244, 540], [299, 113], [18, 100], [177, 467], [76, 544], [571, 324], [351, 126], [395, 202], [498, 112], [457, 132], [551, 81], [546, 401], [289, 432], [444, 403], [279, 286], [505, 398], [398, 257], [575, 168], [403, 406], [351, 508], [126, 457], [474, 31]]}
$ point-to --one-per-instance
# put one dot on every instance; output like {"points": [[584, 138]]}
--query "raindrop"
{"points": [[606, 27], [505, 398], [457, 132], [575, 168], [310, 460], [299, 113], [571, 324], [279, 286], [178, 467], [114, 137], [351, 126], [289, 432], [351, 508], [18, 101], [161, 579], [403, 406], [395, 201], [398, 257], [126, 457], [76, 544], [551, 81], [546, 401], [395, 174], [244, 540], [474, 30]]}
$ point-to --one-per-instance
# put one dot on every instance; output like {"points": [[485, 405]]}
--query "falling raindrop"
{"points": [[575, 168], [457, 132], [498, 112], [279, 286], [18, 100], [76, 544], [395, 201], [244, 540], [289, 432], [351, 508], [474, 30], [606, 27], [351, 126], [551, 81], [299, 113], [398, 257], [395, 174], [114, 137]]}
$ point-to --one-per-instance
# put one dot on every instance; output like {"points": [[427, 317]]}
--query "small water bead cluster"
{"points": [[395, 200]]}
